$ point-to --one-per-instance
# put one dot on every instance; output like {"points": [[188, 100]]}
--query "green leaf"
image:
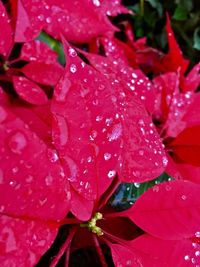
{"points": [[54, 45], [196, 39], [157, 5], [128, 193], [180, 13]]}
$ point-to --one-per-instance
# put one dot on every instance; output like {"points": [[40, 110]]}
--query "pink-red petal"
{"points": [[170, 210], [29, 91], [22, 242]]}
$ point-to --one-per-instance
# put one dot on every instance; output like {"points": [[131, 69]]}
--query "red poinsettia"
{"points": [[138, 54], [78, 21], [32, 184], [35, 67], [171, 100], [99, 124], [177, 118]]}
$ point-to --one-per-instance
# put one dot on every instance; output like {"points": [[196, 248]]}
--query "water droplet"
{"points": [[168, 187], [73, 68], [73, 169], [134, 75], [48, 20], [99, 118], [197, 234], [156, 188], [17, 143], [137, 185], [183, 197], [48, 180], [72, 52], [107, 156], [116, 132], [197, 253], [15, 170], [52, 155], [165, 161], [111, 174], [89, 159], [93, 135], [2, 208], [141, 152], [29, 178], [187, 257], [101, 87], [96, 2], [41, 17], [12, 183], [128, 262]]}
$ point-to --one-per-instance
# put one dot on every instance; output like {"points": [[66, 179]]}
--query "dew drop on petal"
{"points": [[73, 68], [197, 253], [183, 197], [107, 156], [111, 174], [156, 188], [141, 152], [137, 185], [17, 143], [72, 52], [116, 132], [186, 257], [96, 2], [29, 178], [52, 155], [168, 187], [48, 180], [197, 234]]}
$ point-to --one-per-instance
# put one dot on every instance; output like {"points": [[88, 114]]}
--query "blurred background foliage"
{"points": [[149, 20]]}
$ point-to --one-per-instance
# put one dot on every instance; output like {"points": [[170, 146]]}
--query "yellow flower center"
{"points": [[91, 224]]}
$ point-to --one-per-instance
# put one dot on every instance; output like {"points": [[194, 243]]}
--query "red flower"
{"points": [[156, 213], [177, 118], [32, 184], [78, 21], [40, 66], [115, 135]]}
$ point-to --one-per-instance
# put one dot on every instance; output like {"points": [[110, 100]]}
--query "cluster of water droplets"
{"points": [[193, 258]]}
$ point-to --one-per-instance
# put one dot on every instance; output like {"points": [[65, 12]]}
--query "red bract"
{"points": [[177, 118], [114, 136], [34, 192], [78, 21], [40, 65]]}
